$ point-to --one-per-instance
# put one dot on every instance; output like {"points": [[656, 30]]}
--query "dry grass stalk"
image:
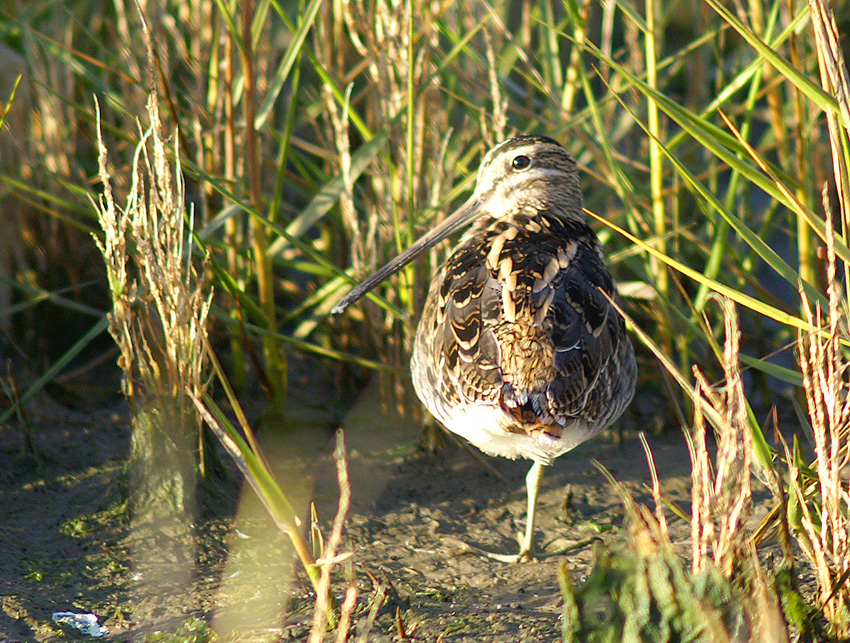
{"points": [[359, 240], [647, 595], [656, 489], [721, 495], [160, 309], [154, 221], [159, 316], [835, 80], [826, 529], [385, 52], [825, 525], [345, 613], [330, 557], [500, 103]]}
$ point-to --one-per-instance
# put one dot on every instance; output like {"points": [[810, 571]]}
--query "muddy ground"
{"points": [[66, 543]]}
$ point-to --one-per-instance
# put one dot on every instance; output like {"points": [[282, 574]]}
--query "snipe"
{"points": [[519, 349]]}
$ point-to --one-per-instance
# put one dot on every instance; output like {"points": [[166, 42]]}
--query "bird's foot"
{"points": [[511, 559], [527, 553]]}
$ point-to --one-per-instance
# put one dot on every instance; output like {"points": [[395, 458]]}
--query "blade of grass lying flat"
{"points": [[254, 312], [101, 325]]}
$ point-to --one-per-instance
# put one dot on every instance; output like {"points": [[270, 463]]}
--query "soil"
{"points": [[66, 543]]}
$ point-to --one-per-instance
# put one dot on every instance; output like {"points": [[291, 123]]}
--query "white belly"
{"points": [[482, 426], [485, 423]]}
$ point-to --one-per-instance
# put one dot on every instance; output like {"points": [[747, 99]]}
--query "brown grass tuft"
{"points": [[721, 497], [825, 505], [160, 309]]}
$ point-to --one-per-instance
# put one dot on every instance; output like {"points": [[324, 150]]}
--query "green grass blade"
{"points": [[285, 67], [329, 195], [738, 297], [710, 137], [101, 325], [811, 90], [11, 100]]}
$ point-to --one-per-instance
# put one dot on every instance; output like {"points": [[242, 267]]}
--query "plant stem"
{"points": [[231, 227], [656, 178], [274, 357]]}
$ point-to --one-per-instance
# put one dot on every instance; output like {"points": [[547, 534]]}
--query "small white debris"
{"points": [[86, 623]]}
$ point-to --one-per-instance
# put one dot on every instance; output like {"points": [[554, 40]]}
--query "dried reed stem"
{"points": [[324, 609], [826, 526], [824, 363], [159, 322], [159, 318], [274, 355], [721, 495], [387, 50]]}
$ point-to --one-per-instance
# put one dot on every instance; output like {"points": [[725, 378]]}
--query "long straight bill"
{"points": [[460, 218]]}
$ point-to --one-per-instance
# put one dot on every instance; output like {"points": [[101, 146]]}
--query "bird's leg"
{"points": [[532, 484], [526, 544]]}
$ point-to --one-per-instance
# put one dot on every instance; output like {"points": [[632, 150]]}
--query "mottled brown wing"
{"points": [[462, 357], [517, 317], [592, 351]]}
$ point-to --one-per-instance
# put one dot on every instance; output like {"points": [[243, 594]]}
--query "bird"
{"points": [[520, 348]]}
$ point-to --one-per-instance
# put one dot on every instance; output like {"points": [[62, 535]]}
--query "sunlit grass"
{"points": [[318, 139]]}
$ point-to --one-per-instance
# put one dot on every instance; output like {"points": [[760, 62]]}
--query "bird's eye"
{"points": [[521, 162]]}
